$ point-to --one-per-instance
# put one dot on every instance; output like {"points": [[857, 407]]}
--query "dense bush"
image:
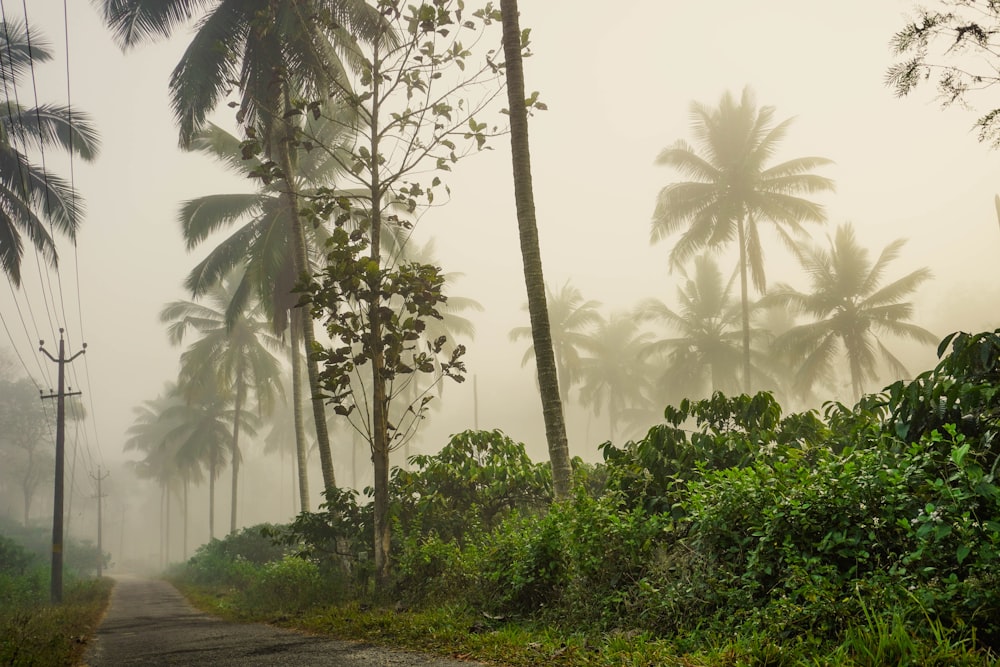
{"points": [[80, 558], [476, 480], [235, 560], [284, 586]]}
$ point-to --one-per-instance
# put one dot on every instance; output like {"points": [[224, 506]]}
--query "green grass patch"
{"points": [[40, 634]]}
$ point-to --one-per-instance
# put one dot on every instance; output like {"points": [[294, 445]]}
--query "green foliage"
{"points": [[478, 478], [79, 558], [236, 559], [963, 389], [33, 632], [406, 295], [284, 586], [730, 433]]}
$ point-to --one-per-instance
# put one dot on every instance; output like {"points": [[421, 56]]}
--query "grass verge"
{"points": [[42, 635], [459, 632]]}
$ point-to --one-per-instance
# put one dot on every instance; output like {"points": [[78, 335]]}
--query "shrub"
{"points": [[476, 480], [284, 586]]}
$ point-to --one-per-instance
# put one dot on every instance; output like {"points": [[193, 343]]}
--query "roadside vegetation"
{"points": [[731, 534], [34, 632]]}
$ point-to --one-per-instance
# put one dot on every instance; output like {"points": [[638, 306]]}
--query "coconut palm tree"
{"points": [[32, 199], [531, 257], [851, 309], [611, 374], [231, 355], [170, 465], [705, 356], [277, 52], [570, 320], [733, 188]]}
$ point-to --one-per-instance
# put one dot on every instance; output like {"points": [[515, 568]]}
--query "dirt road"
{"points": [[150, 623]]}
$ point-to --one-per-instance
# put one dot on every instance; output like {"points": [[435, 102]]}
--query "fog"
{"points": [[618, 85]]}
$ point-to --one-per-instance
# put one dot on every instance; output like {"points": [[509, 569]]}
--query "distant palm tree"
{"points": [[851, 309], [705, 357], [31, 197], [570, 319], [611, 373], [733, 190], [162, 460], [230, 356], [261, 249]]}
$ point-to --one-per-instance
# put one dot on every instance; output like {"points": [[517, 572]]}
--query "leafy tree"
{"points": [[734, 189], [407, 297], [414, 100], [23, 430], [515, 43], [277, 53], [705, 357], [954, 44], [234, 355], [33, 200], [612, 374], [852, 308], [570, 319]]}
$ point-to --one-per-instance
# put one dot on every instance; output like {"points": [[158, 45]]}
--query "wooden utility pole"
{"points": [[100, 544], [57, 505]]}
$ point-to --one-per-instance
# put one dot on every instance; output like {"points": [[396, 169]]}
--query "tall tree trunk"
{"points": [[745, 304], [301, 454], [235, 451], [212, 467], [184, 537], [534, 281], [302, 269]]}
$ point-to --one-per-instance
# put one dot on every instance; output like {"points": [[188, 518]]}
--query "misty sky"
{"points": [[618, 84]]}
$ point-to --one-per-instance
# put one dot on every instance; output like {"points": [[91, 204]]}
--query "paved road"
{"points": [[150, 623]]}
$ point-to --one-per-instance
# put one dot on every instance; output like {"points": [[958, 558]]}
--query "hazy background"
{"points": [[618, 84]]}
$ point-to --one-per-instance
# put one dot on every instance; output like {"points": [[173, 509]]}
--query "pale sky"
{"points": [[618, 84]]}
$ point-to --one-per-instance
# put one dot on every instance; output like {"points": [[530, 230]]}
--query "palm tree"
{"points": [[163, 461], [570, 319], [531, 257], [229, 354], [277, 52], [705, 355], [851, 309], [612, 374], [32, 199], [733, 188]]}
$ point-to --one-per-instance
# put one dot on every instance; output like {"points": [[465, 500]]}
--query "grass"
{"points": [[40, 635], [457, 631]]}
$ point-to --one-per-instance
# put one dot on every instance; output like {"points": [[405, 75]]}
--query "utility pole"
{"points": [[57, 505], [100, 546]]}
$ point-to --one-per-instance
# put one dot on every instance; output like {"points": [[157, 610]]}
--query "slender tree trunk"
{"points": [[548, 383], [212, 466], [380, 421], [163, 523], [166, 531], [300, 432], [184, 537], [302, 269], [235, 451], [745, 303]]}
